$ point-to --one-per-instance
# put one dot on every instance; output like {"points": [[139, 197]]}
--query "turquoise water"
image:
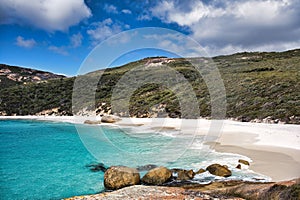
{"points": [[47, 160], [44, 160]]}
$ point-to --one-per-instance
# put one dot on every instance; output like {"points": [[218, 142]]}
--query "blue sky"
{"points": [[58, 36]]}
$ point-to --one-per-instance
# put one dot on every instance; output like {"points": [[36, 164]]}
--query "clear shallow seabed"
{"points": [[47, 160]]}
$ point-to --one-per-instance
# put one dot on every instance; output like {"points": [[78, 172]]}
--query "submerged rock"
{"points": [[146, 167], [245, 162], [157, 176], [219, 170], [97, 167], [183, 175], [110, 119], [117, 177]]}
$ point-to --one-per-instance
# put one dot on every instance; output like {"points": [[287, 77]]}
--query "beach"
{"points": [[273, 148]]}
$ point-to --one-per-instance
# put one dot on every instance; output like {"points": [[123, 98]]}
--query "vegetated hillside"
{"points": [[13, 75], [258, 86]]}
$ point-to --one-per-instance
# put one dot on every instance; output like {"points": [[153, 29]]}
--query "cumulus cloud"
{"points": [[59, 50], [100, 31], [110, 9], [49, 15], [20, 41], [126, 11], [76, 40], [235, 25]]}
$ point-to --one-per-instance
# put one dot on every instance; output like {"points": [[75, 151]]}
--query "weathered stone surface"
{"points": [[239, 166], [110, 119], [217, 190], [157, 176], [219, 170], [245, 162], [117, 177], [92, 122], [142, 192]]}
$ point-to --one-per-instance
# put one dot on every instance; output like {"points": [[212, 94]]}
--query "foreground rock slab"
{"points": [[142, 192], [117, 177], [230, 190]]}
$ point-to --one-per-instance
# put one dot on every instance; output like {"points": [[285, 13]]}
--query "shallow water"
{"points": [[47, 160]]}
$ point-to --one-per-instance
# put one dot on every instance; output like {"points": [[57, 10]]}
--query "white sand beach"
{"points": [[273, 148]]}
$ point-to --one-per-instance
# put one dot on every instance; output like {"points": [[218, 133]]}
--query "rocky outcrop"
{"points": [[117, 177], [13, 75], [110, 119], [157, 176], [219, 170], [183, 175]]}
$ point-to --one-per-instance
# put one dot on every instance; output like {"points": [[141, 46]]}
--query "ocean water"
{"points": [[47, 160]]}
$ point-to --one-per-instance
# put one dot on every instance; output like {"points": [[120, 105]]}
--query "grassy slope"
{"points": [[257, 85]]}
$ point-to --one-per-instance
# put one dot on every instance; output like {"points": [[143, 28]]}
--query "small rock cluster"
{"points": [[117, 177]]}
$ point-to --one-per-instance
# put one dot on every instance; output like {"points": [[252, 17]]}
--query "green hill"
{"points": [[259, 85]]}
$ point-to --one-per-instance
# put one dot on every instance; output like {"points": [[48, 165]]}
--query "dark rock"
{"points": [[146, 167], [245, 162], [117, 177], [157, 176], [97, 167], [183, 175], [109, 119], [218, 170], [239, 166]]}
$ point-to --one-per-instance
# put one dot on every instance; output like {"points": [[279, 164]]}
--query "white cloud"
{"points": [[59, 50], [50, 15], [20, 41], [76, 40], [144, 17], [236, 25], [110, 9], [126, 11], [177, 42], [104, 29]]}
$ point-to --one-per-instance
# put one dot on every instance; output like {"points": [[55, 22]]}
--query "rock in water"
{"points": [[157, 176], [97, 167], [239, 166], [109, 119], [245, 162], [218, 170], [117, 177], [184, 175], [200, 171]]}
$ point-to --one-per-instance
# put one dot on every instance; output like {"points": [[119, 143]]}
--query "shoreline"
{"points": [[273, 148]]}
